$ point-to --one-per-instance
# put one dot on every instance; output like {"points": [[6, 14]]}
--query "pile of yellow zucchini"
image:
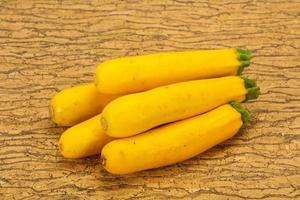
{"points": [[149, 111]]}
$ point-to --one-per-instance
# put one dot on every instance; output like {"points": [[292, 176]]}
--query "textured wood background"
{"points": [[53, 44]]}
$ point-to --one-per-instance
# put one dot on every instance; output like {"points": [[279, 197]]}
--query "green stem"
{"points": [[253, 91], [246, 115], [243, 64], [249, 83], [243, 54]]}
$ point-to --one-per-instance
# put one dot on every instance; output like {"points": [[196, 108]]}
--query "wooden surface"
{"points": [[50, 45]]}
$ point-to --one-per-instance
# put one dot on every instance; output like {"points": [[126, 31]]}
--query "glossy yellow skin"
{"points": [[140, 73], [84, 139], [135, 113], [171, 143], [76, 104]]}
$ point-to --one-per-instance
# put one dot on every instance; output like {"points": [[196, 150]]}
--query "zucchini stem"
{"points": [[246, 115], [249, 83], [243, 54], [253, 91], [243, 64]]}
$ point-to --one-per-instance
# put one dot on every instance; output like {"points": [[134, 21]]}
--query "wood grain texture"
{"points": [[48, 45]]}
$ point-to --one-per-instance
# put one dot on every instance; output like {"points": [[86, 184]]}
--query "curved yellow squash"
{"points": [[140, 73], [76, 104], [84, 139], [135, 113], [171, 143]]}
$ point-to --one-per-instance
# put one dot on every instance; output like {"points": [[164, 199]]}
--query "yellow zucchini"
{"points": [[139, 112], [84, 139], [140, 73], [76, 104], [174, 142]]}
